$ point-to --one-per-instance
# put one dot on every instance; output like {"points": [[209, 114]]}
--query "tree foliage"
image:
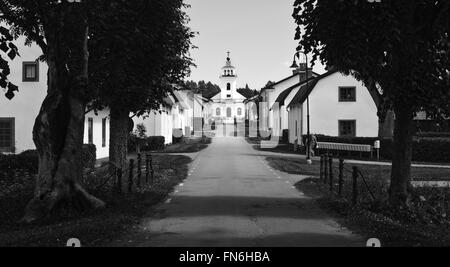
{"points": [[206, 89], [139, 52], [247, 92], [398, 48]]}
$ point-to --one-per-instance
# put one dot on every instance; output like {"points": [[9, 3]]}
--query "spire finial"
{"points": [[228, 55]]}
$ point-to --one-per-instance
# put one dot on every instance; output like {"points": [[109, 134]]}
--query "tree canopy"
{"points": [[139, 52], [398, 48], [206, 89]]}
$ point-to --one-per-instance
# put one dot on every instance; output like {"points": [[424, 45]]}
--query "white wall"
{"points": [[271, 95], [158, 124], [295, 124], [25, 106], [326, 110], [102, 150]]}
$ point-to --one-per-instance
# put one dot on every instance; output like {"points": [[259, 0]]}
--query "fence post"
{"points": [[325, 179], [321, 168], [331, 174], [152, 171], [139, 169], [147, 168], [355, 186], [341, 176], [119, 180], [130, 177]]}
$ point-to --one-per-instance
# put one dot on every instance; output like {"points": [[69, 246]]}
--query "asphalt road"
{"points": [[233, 198]]}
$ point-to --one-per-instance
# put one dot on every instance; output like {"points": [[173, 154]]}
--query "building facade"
{"points": [[340, 105], [227, 105], [17, 116]]}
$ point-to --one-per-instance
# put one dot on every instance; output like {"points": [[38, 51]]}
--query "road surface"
{"points": [[233, 198]]}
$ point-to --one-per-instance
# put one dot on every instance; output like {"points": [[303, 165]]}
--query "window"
{"points": [[296, 128], [228, 86], [228, 96], [347, 128], [31, 71], [229, 112], [232, 72], [239, 111], [104, 132], [90, 131], [7, 135], [347, 94], [218, 112]]}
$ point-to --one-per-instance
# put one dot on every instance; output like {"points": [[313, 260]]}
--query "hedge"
{"points": [[89, 156], [154, 143], [424, 149], [177, 136], [28, 161]]}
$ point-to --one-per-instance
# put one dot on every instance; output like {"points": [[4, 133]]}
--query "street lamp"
{"points": [[308, 138]]}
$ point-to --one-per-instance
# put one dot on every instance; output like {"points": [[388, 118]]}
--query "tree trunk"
{"points": [[386, 125], [59, 128], [401, 163], [118, 144]]}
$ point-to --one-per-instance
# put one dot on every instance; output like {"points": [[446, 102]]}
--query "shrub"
{"points": [[24, 162], [424, 150], [177, 136], [285, 136], [429, 149], [433, 134], [154, 143], [89, 156], [28, 161]]}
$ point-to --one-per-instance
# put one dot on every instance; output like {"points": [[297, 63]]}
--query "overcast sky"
{"points": [[258, 33]]}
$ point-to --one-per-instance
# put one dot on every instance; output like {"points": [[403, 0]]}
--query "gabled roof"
{"points": [[181, 100], [307, 88], [285, 79], [282, 97]]}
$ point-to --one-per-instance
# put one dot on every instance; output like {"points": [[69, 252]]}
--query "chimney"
{"points": [[302, 71]]}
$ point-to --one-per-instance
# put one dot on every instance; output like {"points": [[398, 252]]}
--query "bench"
{"points": [[345, 147]]}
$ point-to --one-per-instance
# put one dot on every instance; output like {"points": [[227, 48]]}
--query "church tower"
{"points": [[228, 81]]}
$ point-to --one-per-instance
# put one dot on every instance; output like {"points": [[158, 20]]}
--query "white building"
{"points": [[17, 116], [180, 111], [228, 105], [340, 105], [276, 116]]}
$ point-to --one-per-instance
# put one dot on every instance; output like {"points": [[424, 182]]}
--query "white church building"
{"points": [[228, 105]]}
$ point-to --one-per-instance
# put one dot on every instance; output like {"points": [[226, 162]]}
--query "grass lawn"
{"points": [[188, 145], [299, 166], [423, 223], [94, 228]]}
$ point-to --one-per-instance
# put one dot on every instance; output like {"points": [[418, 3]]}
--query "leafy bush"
{"points": [[28, 161], [89, 156], [177, 136], [433, 134], [285, 136], [24, 162], [154, 143], [424, 149]]}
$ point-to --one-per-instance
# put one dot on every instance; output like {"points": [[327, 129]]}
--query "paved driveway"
{"points": [[233, 198]]}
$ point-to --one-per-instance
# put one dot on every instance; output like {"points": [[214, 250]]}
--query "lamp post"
{"points": [[308, 117]]}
